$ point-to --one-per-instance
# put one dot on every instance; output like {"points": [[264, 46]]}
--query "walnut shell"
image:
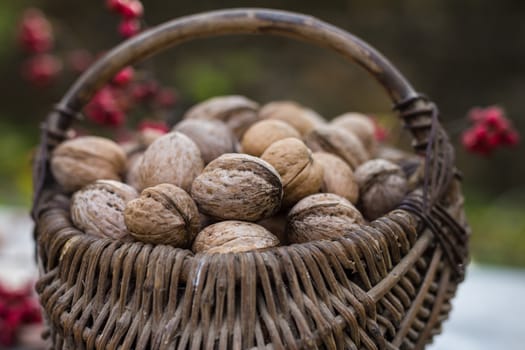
{"points": [[300, 174], [233, 237], [238, 112], [238, 186], [321, 216], [338, 141], [338, 177], [262, 134], [163, 214], [302, 119], [382, 186], [132, 169], [212, 137], [78, 162], [362, 126], [173, 158], [98, 208]]}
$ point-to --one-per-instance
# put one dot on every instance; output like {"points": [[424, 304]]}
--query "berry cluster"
{"points": [[35, 35], [17, 308], [131, 11], [110, 105], [127, 89], [490, 130]]}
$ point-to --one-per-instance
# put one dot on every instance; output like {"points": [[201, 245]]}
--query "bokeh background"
{"points": [[460, 53]]}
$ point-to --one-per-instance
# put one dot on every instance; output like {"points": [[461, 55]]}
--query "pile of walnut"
{"points": [[233, 177]]}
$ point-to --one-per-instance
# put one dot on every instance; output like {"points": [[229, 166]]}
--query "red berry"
{"points": [[153, 125], [104, 108], [494, 140], [124, 77], [511, 138], [380, 133], [480, 132], [35, 32], [131, 9], [41, 70], [129, 27], [494, 117]]}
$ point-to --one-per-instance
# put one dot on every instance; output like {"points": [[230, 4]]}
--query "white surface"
{"points": [[488, 312], [17, 262]]}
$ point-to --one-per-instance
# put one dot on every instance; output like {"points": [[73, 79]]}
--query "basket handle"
{"points": [[419, 114]]}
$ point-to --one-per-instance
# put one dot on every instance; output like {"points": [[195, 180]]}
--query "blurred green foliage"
{"points": [[498, 227]]}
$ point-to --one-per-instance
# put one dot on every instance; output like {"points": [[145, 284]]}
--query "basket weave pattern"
{"points": [[386, 285]]}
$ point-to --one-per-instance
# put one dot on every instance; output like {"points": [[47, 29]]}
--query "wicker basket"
{"points": [[386, 285]]}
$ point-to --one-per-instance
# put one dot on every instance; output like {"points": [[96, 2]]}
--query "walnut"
{"points": [[78, 162], [98, 209], [338, 141], [382, 186], [362, 126], [262, 134], [338, 177], [233, 237], [300, 174], [238, 186], [173, 158], [321, 216], [238, 112], [163, 214], [132, 169], [212, 137], [302, 119]]}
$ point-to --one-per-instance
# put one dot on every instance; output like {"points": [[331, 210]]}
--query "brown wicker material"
{"points": [[386, 285]]}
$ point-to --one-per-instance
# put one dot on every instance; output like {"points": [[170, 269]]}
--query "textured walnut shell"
{"points": [[238, 112], [163, 214], [338, 177], [233, 237], [132, 169], [362, 126], [173, 158], [382, 186], [238, 186], [300, 174], [78, 162], [340, 142], [212, 137], [98, 209], [321, 216], [262, 134], [302, 119]]}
